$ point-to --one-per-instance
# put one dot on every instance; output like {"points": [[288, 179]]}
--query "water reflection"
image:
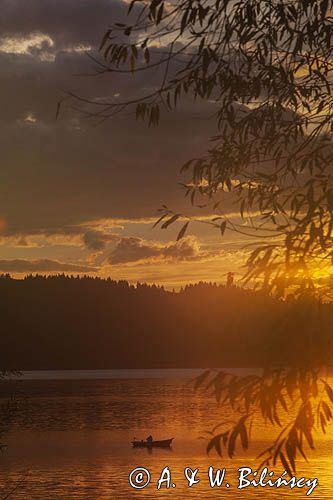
{"points": [[74, 438]]}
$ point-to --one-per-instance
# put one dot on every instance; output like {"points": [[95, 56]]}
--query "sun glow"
{"points": [[320, 273]]}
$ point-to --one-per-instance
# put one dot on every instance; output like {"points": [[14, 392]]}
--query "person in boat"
{"points": [[150, 439]]}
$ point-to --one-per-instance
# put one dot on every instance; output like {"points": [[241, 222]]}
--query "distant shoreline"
{"points": [[149, 373]]}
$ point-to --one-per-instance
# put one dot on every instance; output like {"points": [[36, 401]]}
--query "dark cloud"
{"points": [[42, 265], [44, 232], [66, 21], [62, 173], [97, 240], [93, 239], [136, 249]]}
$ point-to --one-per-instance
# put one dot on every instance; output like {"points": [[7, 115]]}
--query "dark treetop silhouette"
{"points": [[61, 322]]}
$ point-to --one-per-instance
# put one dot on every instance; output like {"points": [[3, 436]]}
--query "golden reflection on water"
{"points": [[74, 440]]}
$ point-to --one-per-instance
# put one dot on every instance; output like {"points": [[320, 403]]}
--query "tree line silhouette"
{"points": [[67, 322]]}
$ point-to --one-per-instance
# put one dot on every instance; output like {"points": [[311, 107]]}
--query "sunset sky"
{"points": [[77, 196]]}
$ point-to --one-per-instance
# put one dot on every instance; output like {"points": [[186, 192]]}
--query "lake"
{"points": [[70, 438]]}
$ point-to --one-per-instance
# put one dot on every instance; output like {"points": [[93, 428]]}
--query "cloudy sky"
{"points": [[80, 196]]}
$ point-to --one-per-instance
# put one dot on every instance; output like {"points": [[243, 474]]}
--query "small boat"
{"points": [[165, 443]]}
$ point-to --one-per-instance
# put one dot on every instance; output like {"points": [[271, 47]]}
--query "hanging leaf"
{"points": [[223, 227], [182, 232]]}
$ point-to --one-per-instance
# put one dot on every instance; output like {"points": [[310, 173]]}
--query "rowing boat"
{"points": [[166, 443]]}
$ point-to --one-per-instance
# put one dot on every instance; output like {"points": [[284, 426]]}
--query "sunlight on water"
{"points": [[71, 439]]}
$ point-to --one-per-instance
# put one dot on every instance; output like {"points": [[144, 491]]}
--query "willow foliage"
{"points": [[267, 66]]}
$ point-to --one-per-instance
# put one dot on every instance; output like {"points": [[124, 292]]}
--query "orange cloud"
{"points": [[130, 249]]}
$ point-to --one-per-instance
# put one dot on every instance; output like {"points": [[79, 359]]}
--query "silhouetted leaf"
{"points": [[182, 232]]}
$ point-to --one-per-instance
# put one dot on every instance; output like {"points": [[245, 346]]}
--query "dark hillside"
{"points": [[67, 322]]}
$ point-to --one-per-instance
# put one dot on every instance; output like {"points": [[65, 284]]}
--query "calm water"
{"points": [[70, 439]]}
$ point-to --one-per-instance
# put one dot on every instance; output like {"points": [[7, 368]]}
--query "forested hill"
{"points": [[70, 323]]}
